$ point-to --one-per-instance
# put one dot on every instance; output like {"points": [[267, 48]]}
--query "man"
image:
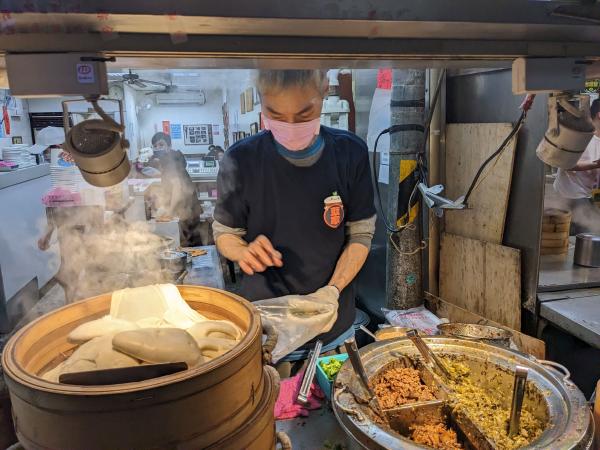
{"points": [[581, 180], [176, 196], [295, 205]]}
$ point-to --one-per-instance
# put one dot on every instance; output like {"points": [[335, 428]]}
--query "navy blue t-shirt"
{"points": [[262, 192]]}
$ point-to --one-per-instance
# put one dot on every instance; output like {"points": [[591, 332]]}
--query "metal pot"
{"points": [[172, 261], [587, 250], [552, 396]]}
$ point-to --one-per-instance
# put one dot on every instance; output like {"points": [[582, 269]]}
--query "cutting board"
{"points": [[482, 277], [468, 145]]}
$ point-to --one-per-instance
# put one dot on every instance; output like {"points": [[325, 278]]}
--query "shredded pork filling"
{"points": [[435, 435], [399, 386]]}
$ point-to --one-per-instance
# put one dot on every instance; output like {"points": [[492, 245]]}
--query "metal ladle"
{"points": [[360, 371], [519, 385], [428, 354]]}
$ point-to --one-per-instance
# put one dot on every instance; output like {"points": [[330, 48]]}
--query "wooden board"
{"points": [[482, 277], [444, 309], [467, 146]]}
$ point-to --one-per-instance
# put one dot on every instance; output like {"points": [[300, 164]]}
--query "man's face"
{"points": [[292, 105], [161, 145]]}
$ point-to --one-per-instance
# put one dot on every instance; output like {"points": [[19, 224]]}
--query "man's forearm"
{"points": [[582, 166], [231, 246], [349, 264]]}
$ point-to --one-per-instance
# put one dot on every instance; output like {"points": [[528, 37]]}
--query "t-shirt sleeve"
{"points": [[361, 205], [231, 209]]}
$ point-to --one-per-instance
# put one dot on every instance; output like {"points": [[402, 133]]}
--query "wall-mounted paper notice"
{"points": [[384, 174]]}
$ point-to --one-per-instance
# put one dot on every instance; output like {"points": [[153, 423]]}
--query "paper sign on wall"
{"points": [[175, 131], [385, 158], [215, 130], [166, 125], [384, 174]]}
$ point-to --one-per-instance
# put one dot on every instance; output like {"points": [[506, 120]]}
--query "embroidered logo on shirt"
{"points": [[334, 211]]}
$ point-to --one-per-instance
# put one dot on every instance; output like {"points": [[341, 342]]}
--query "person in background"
{"points": [[295, 204], [176, 196], [45, 140], [217, 152], [580, 185], [581, 180]]}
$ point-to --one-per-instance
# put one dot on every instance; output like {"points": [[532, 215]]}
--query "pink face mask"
{"points": [[293, 136]]}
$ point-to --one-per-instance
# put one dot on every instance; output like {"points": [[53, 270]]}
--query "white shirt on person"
{"points": [[579, 184]]}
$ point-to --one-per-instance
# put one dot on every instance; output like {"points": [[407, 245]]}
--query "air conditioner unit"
{"points": [[181, 98]]}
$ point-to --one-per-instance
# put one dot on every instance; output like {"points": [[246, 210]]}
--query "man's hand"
{"points": [[259, 255]]}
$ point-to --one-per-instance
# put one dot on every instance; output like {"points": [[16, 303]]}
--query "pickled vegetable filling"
{"points": [[486, 409], [399, 386]]}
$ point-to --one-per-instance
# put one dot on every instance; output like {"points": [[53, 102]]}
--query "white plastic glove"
{"points": [[299, 318]]}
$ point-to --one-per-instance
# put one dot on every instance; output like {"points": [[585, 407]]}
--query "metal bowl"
{"points": [[173, 261], [391, 333], [484, 333], [550, 393]]}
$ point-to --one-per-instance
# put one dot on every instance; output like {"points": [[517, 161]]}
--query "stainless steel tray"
{"points": [[550, 394]]}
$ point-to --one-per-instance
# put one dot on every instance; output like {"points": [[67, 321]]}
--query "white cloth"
{"points": [[579, 184], [159, 345]]}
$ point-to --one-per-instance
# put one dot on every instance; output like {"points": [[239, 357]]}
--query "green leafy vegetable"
{"points": [[331, 367]]}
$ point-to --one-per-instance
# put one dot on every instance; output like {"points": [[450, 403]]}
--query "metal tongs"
{"points": [[360, 371], [309, 374], [428, 354], [519, 385]]}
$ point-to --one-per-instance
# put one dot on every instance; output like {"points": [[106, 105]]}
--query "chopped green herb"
{"points": [[331, 367]]}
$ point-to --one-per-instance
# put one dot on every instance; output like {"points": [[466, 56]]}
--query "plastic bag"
{"points": [[299, 318], [420, 318]]}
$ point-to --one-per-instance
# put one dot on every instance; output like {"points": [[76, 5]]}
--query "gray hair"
{"points": [[268, 80]]}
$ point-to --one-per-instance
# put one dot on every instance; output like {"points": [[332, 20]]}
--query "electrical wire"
{"points": [[500, 149], [421, 166]]}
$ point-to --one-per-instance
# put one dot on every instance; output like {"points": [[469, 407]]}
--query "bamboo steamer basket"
{"points": [[555, 232], [258, 433], [197, 408]]}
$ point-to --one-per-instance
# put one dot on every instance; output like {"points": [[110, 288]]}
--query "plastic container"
{"points": [[325, 383]]}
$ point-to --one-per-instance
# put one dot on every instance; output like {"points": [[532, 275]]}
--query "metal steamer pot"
{"points": [[550, 394], [587, 250]]}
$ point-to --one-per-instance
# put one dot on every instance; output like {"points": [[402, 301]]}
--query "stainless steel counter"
{"points": [[8, 179], [558, 273], [206, 270], [575, 311]]}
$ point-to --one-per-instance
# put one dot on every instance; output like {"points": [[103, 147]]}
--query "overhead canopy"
{"points": [[313, 32]]}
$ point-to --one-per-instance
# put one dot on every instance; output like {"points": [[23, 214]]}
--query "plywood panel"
{"points": [[482, 277], [524, 342], [502, 285], [468, 145]]}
